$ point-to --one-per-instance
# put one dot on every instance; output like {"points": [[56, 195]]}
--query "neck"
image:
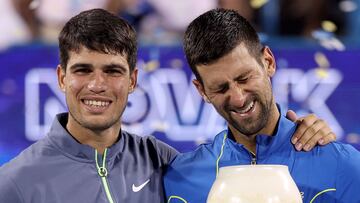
{"points": [[98, 139], [249, 141]]}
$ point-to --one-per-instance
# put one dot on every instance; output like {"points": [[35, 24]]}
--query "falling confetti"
{"points": [[333, 44], [321, 60], [151, 66], [323, 63], [322, 73], [328, 26], [258, 3], [328, 40]]}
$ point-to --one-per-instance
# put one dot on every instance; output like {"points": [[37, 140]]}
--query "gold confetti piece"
{"points": [[322, 73], [323, 63], [258, 3], [321, 60], [151, 66], [328, 26]]}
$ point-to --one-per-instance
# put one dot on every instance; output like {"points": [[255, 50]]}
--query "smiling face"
{"points": [[240, 90], [96, 87]]}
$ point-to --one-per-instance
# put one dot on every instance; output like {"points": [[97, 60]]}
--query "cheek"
{"points": [[120, 87], [74, 85], [218, 102]]}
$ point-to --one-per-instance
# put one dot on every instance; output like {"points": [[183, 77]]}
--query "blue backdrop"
{"points": [[166, 104]]}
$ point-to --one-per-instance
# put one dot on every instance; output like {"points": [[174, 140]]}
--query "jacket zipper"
{"points": [[253, 158], [102, 171]]}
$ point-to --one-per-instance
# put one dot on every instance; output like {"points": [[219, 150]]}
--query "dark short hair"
{"points": [[216, 33], [98, 30]]}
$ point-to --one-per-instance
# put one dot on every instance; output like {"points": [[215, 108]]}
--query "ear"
{"points": [[61, 77], [200, 89], [133, 80], [269, 61]]}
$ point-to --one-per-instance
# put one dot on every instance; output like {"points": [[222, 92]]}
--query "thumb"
{"points": [[291, 115]]}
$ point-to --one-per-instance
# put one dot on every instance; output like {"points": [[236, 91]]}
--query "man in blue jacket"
{"points": [[233, 72]]}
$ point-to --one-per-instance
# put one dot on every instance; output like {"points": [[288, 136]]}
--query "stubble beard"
{"points": [[93, 126], [251, 126]]}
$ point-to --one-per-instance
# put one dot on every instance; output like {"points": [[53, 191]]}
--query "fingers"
{"points": [[331, 137], [291, 115], [304, 124], [312, 131], [315, 137]]}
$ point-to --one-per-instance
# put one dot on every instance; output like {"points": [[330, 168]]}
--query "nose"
{"points": [[236, 96], [97, 83]]}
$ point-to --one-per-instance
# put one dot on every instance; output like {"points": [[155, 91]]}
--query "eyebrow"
{"points": [[116, 66], [242, 75], [107, 66], [215, 87], [218, 85], [83, 65]]}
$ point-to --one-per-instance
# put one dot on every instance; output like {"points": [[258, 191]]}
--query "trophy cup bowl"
{"points": [[254, 184]]}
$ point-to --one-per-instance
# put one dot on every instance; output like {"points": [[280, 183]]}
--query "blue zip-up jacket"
{"points": [[326, 174], [58, 169]]}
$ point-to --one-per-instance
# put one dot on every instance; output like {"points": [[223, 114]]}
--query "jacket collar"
{"points": [[65, 142], [265, 145]]}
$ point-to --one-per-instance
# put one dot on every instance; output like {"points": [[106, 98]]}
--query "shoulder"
{"points": [[31, 156], [342, 159], [347, 172], [203, 153], [149, 146], [190, 175], [333, 154], [202, 160], [347, 156], [340, 151], [18, 172], [146, 141], [9, 191]]}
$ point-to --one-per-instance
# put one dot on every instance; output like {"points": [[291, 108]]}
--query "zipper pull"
{"points": [[102, 172], [253, 160]]}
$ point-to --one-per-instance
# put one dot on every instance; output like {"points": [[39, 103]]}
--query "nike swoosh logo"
{"points": [[138, 188]]}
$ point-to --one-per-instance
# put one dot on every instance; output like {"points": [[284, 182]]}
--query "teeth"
{"points": [[247, 108], [96, 103]]}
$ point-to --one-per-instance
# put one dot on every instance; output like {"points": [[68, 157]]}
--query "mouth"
{"points": [[96, 105], [244, 111]]}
